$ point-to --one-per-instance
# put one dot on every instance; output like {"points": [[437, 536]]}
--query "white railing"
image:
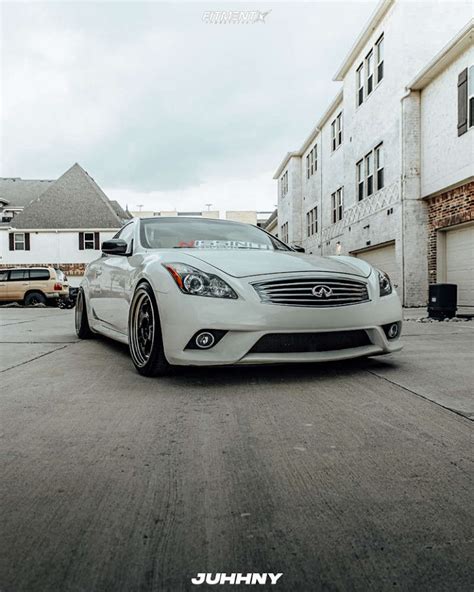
{"points": [[386, 197]]}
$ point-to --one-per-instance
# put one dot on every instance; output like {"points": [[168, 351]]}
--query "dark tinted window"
{"points": [[194, 233], [3, 276], [19, 274], [39, 274]]}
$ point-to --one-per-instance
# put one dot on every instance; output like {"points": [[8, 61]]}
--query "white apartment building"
{"points": [[382, 159]]}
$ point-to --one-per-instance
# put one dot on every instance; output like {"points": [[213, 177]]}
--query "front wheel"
{"points": [[83, 329], [144, 334]]}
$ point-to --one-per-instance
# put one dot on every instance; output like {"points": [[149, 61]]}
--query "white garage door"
{"points": [[460, 262], [383, 258]]}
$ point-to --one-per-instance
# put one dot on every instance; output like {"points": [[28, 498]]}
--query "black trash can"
{"points": [[443, 301]]}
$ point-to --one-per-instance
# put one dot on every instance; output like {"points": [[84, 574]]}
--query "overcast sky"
{"points": [[161, 108]]}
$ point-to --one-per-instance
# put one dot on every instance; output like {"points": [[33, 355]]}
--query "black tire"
{"points": [[80, 317], [35, 298], [144, 334]]}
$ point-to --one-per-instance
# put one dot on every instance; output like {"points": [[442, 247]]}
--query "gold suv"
{"points": [[34, 285]]}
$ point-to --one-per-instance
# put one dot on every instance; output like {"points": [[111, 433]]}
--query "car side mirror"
{"points": [[298, 248], [114, 246]]}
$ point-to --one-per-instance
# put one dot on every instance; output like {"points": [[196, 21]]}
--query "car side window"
{"points": [[3, 276], [39, 274], [19, 274]]}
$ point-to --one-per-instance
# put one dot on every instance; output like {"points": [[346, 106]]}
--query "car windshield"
{"points": [[194, 233]]}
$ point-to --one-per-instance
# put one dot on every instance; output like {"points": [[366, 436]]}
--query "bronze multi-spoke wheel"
{"points": [[83, 329], [144, 333]]}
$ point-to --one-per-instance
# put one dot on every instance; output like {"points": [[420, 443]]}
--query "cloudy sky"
{"points": [[161, 108]]}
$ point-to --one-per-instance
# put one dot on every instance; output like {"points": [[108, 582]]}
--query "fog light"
{"points": [[204, 340], [393, 331]]}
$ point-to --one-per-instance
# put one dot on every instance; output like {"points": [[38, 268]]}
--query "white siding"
{"points": [[446, 159], [50, 247]]}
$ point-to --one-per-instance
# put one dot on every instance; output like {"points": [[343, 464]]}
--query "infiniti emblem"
{"points": [[322, 291]]}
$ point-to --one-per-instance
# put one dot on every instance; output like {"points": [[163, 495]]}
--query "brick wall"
{"points": [[447, 209], [72, 269]]}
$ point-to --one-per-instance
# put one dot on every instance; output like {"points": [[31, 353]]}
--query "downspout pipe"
{"points": [[405, 95]]}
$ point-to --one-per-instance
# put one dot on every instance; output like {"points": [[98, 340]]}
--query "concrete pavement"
{"points": [[352, 476]]}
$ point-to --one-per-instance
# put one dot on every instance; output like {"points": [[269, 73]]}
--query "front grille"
{"points": [[314, 292], [279, 343]]}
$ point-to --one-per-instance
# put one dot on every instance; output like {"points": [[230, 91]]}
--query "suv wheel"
{"points": [[35, 298]]}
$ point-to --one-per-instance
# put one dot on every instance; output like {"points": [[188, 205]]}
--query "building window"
{"points": [[284, 184], [369, 173], [336, 205], [369, 72], [312, 222], [19, 241], [284, 232], [336, 132], [379, 167], [379, 48], [312, 162], [374, 68], [89, 241], [373, 161], [360, 84], [360, 180]]}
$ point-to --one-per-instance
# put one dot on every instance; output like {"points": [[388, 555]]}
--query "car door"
{"points": [[120, 271], [3, 285], [18, 284], [99, 289]]}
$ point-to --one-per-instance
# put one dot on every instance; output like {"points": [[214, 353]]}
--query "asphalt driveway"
{"points": [[347, 476]]}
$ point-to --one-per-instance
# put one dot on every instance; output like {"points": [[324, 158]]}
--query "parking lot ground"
{"points": [[345, 476]]}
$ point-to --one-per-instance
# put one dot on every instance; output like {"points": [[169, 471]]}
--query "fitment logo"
{"points": [[235, 578], [234, 17]]}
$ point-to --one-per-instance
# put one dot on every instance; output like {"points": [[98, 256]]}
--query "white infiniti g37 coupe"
{"points": [[197, 291]]}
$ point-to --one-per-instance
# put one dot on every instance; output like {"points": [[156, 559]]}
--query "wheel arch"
{"points": [[34, 291]]}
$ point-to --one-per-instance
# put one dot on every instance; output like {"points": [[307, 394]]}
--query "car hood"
{"points": [[245, 263]]}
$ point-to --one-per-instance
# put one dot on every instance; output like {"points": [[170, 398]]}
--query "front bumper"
{"points": [[246, 320]]}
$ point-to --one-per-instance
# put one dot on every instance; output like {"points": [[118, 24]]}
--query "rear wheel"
{"points": [[83, 329], [35, 298], [144, 334]]}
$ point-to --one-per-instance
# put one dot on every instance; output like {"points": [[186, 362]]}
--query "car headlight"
{"points": [[198, 283], [385, 285]]}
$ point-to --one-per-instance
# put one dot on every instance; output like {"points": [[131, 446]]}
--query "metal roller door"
{"points": [[460, 262], [383, 258]]}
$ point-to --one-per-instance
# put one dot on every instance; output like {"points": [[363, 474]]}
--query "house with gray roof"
{"points": [[16, 193], [61, 223]]}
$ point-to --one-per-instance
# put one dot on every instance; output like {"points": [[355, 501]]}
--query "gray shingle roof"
{"points": [[73, 201], [20, 192], [121, 213]]}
